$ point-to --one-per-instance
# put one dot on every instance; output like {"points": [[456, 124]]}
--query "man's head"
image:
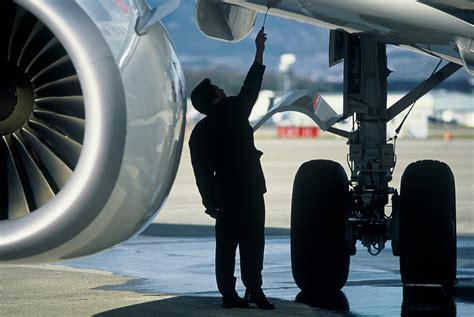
{"points": [[205, 96]]}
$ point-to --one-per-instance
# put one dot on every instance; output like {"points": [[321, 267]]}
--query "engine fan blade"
{"points": [[70, 105], [58, 170], [50, 53], [17, 203], [70, 126], [38, 26], [63, 87], [60, 69], [6, 23], [68, 149], [39, 38], [40, 188], [17, 37]]}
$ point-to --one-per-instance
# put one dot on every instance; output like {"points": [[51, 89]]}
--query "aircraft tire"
{"points": [[428, 225], [319, 255]]}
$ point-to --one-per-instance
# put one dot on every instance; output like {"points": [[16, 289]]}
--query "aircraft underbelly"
{"points": [[408, 24]]}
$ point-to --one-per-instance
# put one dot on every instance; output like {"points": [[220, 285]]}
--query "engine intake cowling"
{"points": [[73, 106]]}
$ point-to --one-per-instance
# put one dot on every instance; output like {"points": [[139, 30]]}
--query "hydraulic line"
{"points": [[397, 130]]}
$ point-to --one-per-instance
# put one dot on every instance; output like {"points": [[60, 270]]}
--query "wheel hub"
{"points": [[16, 98]]}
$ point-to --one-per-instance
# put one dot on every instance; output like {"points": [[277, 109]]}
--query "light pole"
{"points": [[286, 60]]}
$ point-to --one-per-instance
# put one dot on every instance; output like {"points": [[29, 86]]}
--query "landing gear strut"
{"points": [[330, 213]]}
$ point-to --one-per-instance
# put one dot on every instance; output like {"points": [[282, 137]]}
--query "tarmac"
{"points": [[282, 158], [168, 270], [171, 275]]}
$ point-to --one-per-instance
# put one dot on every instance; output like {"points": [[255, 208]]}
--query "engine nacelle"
{"points": [[224, 21], [92, 119]]}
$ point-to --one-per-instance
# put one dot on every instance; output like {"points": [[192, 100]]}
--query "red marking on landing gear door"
{"points": [[315, 102], [123, 5]]}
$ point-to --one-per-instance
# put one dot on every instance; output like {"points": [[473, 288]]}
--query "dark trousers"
{"points": [[241, 226]]}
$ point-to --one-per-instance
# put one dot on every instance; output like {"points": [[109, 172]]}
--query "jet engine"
{"points": [[92, 116]]}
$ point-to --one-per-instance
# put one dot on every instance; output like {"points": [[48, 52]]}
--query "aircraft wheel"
{"points": [[319, 254], [428, 225]]}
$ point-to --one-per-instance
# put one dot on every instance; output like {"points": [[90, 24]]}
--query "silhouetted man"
{"points": [[230, 179]]}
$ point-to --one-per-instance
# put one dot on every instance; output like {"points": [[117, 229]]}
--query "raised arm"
{"points": [[253, 81], [260, 46]]}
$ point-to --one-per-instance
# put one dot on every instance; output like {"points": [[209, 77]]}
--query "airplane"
{"points": [[92, 117], [330, 211]]}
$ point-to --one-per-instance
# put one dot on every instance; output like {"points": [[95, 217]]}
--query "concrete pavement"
{"points": [[169, 271]]}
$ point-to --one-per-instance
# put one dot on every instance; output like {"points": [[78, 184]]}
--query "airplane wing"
{"points": [[440, 28], [462, 9]]}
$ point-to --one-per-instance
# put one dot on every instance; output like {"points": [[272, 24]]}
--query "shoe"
{"points": [[258, 298], [234, 301]]}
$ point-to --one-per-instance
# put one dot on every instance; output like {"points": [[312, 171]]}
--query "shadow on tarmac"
{"points": [[465, 293], [210, 306], [416, 302], [426, 301], [180, 230]]}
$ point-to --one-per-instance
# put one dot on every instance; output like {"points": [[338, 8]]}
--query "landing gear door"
{"points": [[307, 102], [336, 47]]}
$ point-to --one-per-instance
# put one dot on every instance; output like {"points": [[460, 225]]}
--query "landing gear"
{"points": [[327, 219], [428, 225], [319, 256]]}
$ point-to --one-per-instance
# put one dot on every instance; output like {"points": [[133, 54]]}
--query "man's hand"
{"points": [[260, 40], [260, 45]]}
